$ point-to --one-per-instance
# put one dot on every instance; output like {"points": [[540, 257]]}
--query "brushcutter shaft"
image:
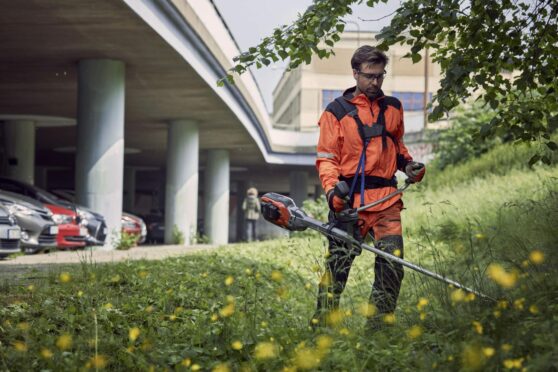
{"points": [[282, 211]]}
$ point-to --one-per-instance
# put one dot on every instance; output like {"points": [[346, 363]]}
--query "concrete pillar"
{"points": [[216, 196], [19, 142], [129, 188], [298, 181], [100, 141], [181, 191]]}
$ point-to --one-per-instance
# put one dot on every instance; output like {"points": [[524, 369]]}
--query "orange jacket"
{"points": [[340, 147]]}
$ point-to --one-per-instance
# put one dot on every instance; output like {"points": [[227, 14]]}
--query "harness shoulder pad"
{"points": [[392, 101], [340, 108]]}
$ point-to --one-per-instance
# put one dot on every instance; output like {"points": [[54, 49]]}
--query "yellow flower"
{"points": [[214, 317], [172, 317], [204, 274], [143, 274], [477, 326], [133, 333], [501, 276], [195, 367], [130, 349], [237, 345], [316, 268], [325, 281], [397, 253], [107, 306], [64, 342], [506, 347], [472, 357], [306, 358], [488, 351], [334, 317], [308, 286], [513, 363], [344, 332], [65, 277], [422, 316], [24, 326], [221, 367], [186, 362], [265, 350], [457, 295], [178, 310], [497, 314], [227, 311], [149, 309], [20, 346], [536, 257], [533, 309], [263, 324], [229, 281], [414, 332], [248, 272], [276, 276], [30, 287], [480, 236], [80, 293], [323, 342], [98, 361], [422, 302], [389, 318], [115, 279], [46, 353], [518, 304], [470, 297], [367, 310], [502, 304]]}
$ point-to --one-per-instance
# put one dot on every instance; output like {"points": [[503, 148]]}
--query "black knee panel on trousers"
{"points": [[388, 275]]}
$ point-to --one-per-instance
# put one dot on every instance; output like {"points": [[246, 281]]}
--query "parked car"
{"points": [[93, 222], [131, 223], [10, 233], [155, 227], [134, 225], [38, 230], [70, 233]]}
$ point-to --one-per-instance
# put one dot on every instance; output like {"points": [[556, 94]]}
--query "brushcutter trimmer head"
{"points": [[282, 211]]}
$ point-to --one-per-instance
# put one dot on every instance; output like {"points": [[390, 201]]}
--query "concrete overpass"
{"points": [[111, 95]]}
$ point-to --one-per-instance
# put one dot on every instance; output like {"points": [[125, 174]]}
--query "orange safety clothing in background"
{"points": [[340, 146]]}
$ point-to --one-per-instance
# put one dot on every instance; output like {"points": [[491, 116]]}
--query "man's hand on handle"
{"points": [[337, 197], [415, 171]]}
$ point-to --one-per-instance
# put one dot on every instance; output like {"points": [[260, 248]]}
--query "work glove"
{"points": [[415, 171], [336, 204]]}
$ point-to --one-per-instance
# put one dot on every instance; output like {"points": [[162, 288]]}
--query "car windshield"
{"points": [[51, 198]]}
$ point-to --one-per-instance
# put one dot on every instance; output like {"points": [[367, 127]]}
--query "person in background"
{"points": [[251, 209]]}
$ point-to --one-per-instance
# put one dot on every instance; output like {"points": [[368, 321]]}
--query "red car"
{"points": [[70, 233]]}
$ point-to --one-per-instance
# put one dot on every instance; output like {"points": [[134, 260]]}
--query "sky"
{"points": [[251, 20]]}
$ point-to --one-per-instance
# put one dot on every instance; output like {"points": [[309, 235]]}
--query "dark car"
{"points": [[93, 222], [10, 233], [38, 230]]}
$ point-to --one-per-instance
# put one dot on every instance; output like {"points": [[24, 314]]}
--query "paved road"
{"points": [[31, 265]]}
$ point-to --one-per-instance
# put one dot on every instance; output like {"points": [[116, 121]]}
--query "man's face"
{"points": [[369, 78]]}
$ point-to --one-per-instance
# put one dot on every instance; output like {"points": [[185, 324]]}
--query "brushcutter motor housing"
{"points": [[282, 211]]}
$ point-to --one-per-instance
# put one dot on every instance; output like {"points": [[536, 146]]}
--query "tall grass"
{"points": [[246, 307]]}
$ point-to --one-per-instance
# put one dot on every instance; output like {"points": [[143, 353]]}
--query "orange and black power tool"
{"points": [[282, 211]]}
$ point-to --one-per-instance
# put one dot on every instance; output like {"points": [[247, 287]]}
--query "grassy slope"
{"points": [[455, 225]]}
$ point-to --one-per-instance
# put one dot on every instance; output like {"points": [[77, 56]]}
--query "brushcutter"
{"points": [[283, 212]]}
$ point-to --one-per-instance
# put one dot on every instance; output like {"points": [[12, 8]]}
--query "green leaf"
{"points": [[552, 145], [535, 158], [416, 57], [340, 27]]}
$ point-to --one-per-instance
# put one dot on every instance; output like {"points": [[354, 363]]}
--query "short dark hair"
{"points": [[368, 55]]}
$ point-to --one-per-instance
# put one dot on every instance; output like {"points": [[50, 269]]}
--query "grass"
{"points": [[247, 306]]}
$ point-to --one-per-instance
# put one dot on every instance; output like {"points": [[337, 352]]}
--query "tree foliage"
{"points": [[501, 52]]}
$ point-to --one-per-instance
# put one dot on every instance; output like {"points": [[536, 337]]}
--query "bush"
{"points": [[177, 235], [462, 141], [126, 241]]}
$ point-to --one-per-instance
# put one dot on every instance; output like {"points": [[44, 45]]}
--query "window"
{"points": [[329, 95], [412, 101]]}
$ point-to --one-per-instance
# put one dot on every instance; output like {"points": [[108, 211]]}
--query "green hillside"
{"points": [[246, 307]]}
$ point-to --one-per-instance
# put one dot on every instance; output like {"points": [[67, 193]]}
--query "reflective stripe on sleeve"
{"points": [[325, 155]]}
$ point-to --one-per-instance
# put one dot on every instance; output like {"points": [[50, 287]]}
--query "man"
{"points": [[251, 208], [361, 143]]}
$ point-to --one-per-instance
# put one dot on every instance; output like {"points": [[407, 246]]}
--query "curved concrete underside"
{"points": [[42, 41]]}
